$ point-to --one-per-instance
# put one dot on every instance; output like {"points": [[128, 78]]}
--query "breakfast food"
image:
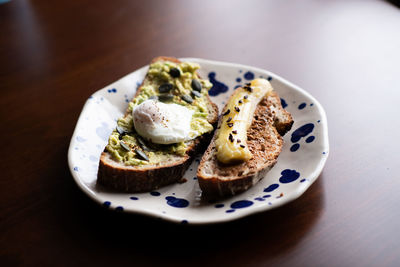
{"points": [[169, 120], [247, 142]]}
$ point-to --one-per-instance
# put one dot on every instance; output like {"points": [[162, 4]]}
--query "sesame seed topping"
{"points": [[230, 124], [238, 141], [237, 109], [234, 132], [231, 138], [226, 112], [229, 119], [240, 101], [242, 146], [246, 96], [248, 88]]}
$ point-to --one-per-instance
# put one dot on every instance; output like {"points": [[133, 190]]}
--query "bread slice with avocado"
{"points": [[247, 142], [138, 156]]}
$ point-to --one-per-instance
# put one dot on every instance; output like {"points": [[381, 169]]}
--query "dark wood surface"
{"points": [[55, 54]]}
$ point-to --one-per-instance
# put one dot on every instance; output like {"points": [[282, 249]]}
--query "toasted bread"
{"points": [[141, 178], [264, 139]]}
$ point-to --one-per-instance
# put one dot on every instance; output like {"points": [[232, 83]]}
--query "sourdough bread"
{"points": [[264, 139], [118, 176]]}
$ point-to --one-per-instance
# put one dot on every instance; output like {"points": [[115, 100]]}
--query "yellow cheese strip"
{"points": [[231, 141]]}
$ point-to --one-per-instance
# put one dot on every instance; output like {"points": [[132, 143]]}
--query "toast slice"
{"points": [[264, 140], [116, 175]]}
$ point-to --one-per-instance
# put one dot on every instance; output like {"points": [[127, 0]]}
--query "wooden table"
{"points": [[55, 54]]}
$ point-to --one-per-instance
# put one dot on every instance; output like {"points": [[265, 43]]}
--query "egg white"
{"points": [[163, 123]]}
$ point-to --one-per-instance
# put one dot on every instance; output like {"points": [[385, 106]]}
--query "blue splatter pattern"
{"points": [[119, 208], [103, 131], [177, 202], [283, 103], [288, 176], [299, 133], [241, 204], [302, 132], [249, 75], [80, 139], [294, 147], [218, 87], [271, 188], [310, 139], [302, 105]]}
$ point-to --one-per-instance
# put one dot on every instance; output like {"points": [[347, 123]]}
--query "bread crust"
{"points": [[120, 177], [270, 123]]}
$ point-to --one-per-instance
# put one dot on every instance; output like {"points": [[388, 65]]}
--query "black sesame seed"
{"points": [[238, 140], [230, 124], [248, 88], [196, 85], [187, 98], [247, 84], [246, 96], [196, 94], [125, 146], [153, 97], [174, 72], [234, 132], [166, 97], [240, 101], [237, 109], [242, 146], [231, 137], [226, 112], [141, 154], [229, 119], [165, 88]]}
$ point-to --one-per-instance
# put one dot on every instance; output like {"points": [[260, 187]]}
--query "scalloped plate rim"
{"points": [[246, 212]]}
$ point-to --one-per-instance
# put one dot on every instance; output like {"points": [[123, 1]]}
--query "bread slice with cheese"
{"points": [[115, 174], [231, 165]]}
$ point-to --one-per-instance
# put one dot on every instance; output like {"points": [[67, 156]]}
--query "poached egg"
{"points": [[163, 123]]}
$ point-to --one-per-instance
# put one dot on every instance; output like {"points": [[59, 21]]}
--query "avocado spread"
{"points": [[185, 91]]}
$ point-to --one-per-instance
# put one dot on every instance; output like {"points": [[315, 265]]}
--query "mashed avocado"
{"points": [[158, 74]]}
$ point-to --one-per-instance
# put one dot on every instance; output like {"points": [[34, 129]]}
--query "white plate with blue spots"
{"points": [[303, 155]]}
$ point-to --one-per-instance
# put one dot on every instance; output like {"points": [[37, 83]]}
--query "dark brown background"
{"points": [[55, 54]]}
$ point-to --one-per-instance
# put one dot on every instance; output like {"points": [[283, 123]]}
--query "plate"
{"points": [[303, 156]]}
